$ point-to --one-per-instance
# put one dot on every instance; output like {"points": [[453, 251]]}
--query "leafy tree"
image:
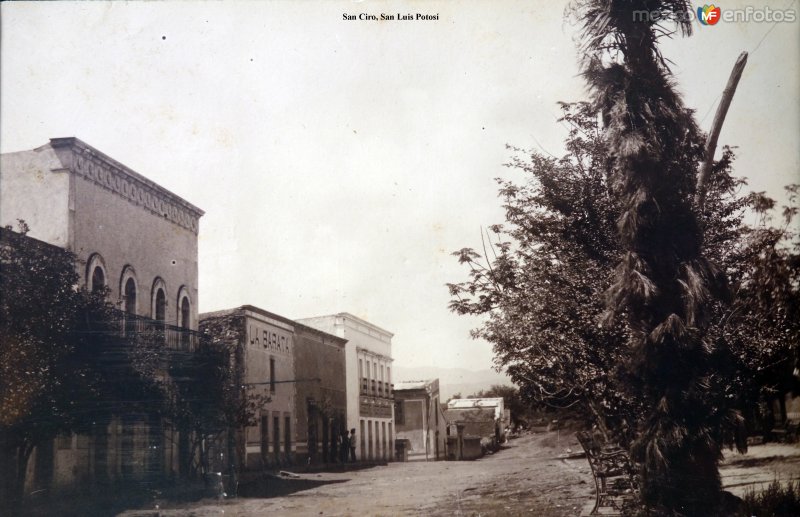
{"points": [[58, 352], [66, 366], [222, 406], [542, 291], [760, 328], [543, 288]]}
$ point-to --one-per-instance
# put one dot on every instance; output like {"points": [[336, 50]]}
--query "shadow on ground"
{"points": [[111, 499], [746, 462], [278, 487]]}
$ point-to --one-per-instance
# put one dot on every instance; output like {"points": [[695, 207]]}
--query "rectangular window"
{"points": [[272, 374], [287, 436], [360, 368], [384, 439], [369, 439], [264, 437], [363, 442], [378, 452], [276, 437]]}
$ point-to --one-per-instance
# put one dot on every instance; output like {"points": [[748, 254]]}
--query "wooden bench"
{"points": [[614, 477], [788, 432]]}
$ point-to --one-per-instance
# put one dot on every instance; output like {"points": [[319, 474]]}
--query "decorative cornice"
{"points": [[366, 351], [107, 173]]}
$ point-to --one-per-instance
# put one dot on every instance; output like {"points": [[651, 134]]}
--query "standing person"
{"points": [[353, 445]]}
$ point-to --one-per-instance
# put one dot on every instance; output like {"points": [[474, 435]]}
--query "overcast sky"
{"points": [[341, 162]]}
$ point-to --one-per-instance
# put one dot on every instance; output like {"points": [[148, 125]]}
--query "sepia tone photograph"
{"points": [[400, 257]]}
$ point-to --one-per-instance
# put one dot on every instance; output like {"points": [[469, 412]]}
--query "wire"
{"points": [[714, 104]]}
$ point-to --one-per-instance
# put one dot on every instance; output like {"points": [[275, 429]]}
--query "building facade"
{"points": [[421, 429], [139, 241], [368, 362], [321, 400], [131, 235], [482, 419], [265, 346]]}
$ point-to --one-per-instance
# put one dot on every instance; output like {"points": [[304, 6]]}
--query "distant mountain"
{"points": [[452, 380]]}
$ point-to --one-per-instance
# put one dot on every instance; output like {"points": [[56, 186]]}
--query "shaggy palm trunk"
{"points": [[662, 283]]}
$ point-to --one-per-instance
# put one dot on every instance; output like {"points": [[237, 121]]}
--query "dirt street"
{"points": [[525, 478]]}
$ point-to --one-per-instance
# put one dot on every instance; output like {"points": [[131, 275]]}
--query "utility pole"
{"points": [[716, 127]]}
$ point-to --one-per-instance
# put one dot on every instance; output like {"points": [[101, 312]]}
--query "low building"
{"points": [[470, 432], [484, 419], [419, 421]]}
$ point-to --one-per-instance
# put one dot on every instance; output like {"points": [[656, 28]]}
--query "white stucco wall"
{"points": [[73, 196], [34, 187]]}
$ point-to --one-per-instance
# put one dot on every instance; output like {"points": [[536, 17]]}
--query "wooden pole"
{"points": [[716, 127]]}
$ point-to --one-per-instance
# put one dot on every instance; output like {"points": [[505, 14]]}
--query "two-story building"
{"points": [[265, 351], [368, 358], [139, 241], [301, 371]]}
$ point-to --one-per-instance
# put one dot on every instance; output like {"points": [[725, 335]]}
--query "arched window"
{"points": [[130, 296], [159, 300], [184, 315], [98, 279], [161, 305], [96, 273], [129, 290]]}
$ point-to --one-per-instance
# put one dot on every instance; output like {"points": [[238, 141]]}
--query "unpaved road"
{"points": [[525, 478]]}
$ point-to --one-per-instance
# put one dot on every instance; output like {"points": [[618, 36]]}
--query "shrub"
{"points": [[777, 500]]}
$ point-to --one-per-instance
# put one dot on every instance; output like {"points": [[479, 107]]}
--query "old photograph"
{"points": [[400, 257]]}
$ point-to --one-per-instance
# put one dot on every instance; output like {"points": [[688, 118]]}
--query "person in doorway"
{"points": [[353, 445], [344, 447]]}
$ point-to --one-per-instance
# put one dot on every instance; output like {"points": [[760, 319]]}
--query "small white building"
{"points": [[502, 417]]}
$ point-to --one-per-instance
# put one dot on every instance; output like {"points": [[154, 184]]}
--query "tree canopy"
{"points": [[67, 365], [542, 276]]}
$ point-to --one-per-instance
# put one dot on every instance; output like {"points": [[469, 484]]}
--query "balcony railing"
{"points": [[376, 388], [174, 337]]}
